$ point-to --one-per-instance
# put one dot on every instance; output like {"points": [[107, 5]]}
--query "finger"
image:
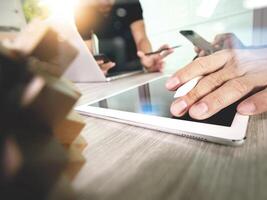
{"points": [[105, 72], [226, 95], [197, 50], [161, 69], [205, 86], [107, 66], [219, 39], [148, 62], [217, 47], [202, 53], [141, 54], [100, 62], [157, 67], [254, 105], [224, 41], [166, 53], [228, 43], [151, 61], [165, 46], [200, 66]]}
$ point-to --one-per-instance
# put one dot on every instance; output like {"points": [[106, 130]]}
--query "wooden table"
{"points": [[132, 163]]}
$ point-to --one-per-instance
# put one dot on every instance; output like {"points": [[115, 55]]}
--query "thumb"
{"points": [[254, 105], [165, 46], [140, 54]]}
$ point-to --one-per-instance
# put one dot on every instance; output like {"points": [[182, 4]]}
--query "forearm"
{"points": [[140, 37], [144, 45]]}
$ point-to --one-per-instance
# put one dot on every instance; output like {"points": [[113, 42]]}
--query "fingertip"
{"points": [[140, 54], [172, 83], [161, 69], [199, 111], [216, 46], [165, 46], [171, 51], [179, 107], [202, 53], [246, 108], [197, 49]]}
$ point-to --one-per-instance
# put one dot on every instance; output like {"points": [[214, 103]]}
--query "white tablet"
{"points": [[148, 106]]}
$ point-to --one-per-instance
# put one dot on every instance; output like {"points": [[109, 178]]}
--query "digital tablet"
{"points": [[148, 106]]}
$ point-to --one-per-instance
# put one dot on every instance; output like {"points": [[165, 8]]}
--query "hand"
{"points": [[229, 75], [105, 67], [154, 63], [222, 41]]}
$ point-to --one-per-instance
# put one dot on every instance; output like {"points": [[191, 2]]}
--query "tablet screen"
{"points": [[154, 99]]}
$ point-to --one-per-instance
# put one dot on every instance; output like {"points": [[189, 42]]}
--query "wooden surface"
{"points": [[131, 163]]}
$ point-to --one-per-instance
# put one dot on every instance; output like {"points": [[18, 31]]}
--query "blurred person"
{"points": [[229, 76], [120, 28]]}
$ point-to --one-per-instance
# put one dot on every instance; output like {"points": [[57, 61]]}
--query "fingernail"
{"points": [[199, 110], [172, 83], [178, 108], [247, 108]]}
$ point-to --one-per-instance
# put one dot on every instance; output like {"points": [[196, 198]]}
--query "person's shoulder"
{"points": [[130, 11], [127, 4]]}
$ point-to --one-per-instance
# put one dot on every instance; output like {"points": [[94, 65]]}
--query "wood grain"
{"points": [[131, 163]]}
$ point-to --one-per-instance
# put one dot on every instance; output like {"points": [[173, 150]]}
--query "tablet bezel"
{"points": [[233, 135]]}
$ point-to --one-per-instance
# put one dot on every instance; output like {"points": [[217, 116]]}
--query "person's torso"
{"points": [[117, 25]]}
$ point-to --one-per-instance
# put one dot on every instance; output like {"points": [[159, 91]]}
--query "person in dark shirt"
{"points": [[120, 28]]}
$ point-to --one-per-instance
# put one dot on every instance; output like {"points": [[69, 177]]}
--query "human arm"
{"points": [[151, 63]]}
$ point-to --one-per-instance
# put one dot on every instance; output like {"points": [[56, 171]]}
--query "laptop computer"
{"points": [[84, 68]]}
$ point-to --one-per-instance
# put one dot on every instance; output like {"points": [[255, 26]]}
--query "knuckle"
{"points": [[201, 62], [219, 101], [213, 80], [234, 69], [183, 74], [194, 95], [237, 70], [239, 86]]}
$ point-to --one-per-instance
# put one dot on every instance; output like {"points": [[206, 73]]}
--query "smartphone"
{"points": [[103, 57], [198, 41]]}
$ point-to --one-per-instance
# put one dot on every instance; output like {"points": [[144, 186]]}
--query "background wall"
{"points": [[164, 19], [11, 14]]}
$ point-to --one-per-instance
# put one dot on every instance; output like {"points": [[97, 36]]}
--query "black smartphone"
{"points": [[198, 41], [103, 57]]}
